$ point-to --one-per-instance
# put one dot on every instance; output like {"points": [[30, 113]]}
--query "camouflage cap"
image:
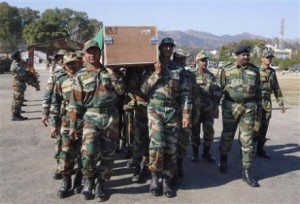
{"points": [[242, 49], [89, 44], [15, 55], [201, 55], [267, 53], [165, 41], [179, 53], [70, 57]]}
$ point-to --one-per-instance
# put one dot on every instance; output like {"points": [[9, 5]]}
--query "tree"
{"points": [[10, 29]]}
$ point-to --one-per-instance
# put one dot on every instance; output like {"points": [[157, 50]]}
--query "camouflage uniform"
{"points": [[95, 96], [207, 100], [168, 96], [20, 77], [58, 116], [269, 84], [138, 102], [46, 107]]}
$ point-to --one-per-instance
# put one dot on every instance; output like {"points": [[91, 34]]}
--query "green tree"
{"points": [[10, 29]]}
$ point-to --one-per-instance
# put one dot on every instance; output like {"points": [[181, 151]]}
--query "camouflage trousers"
{"points": [[163, 132], [206, 118], [141, 135], [70, 149], [242, 115], [183, 142], [18, 97], [260, 136], [99, 144]]}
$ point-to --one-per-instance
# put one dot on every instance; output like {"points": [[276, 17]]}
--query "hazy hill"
{"points": [[197, 39]]}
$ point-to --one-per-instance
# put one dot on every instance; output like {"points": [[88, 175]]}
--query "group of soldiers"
{"points": [[158, 109]]}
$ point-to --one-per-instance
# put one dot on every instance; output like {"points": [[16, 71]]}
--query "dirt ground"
{"points": [[27, 164]]}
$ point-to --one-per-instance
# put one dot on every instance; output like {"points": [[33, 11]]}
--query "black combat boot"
{"points": [[18, 117], [195, 154], [260, 150], [154, 186], [180, 167], [246, 176], [77, 185], [65, 186], [100, 193], [223, 163], [206, 154], [87, 191], [136, 177], [167, 189]]}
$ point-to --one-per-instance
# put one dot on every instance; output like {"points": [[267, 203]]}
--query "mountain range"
{"points": [[204, 40]]}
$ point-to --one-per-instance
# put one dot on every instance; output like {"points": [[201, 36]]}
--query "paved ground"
{"points": [[27, 164]]}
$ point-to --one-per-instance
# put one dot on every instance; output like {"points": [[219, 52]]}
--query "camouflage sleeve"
{"points": [[258, 92], [276, 90], [56, 102], [149, 81], [76, 102], [222, 81], [118, 82], [216, 92], [185, 96], [48, 96]]}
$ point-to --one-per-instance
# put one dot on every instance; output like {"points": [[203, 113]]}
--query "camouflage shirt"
{"points": [[94, 90], [169, 85], [61, 98], [49, 90], [241, 83], [206, 88], [269, 84], [19, 73]]}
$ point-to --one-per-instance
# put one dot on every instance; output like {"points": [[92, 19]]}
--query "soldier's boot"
{"points": [[195, 157], [154, 186], [18, 117], [206, 154], [167, 189], [87, 191], [100, 194], [57, 175], [136, 177], [180, 167], [77, 185], [65, 186], [260, 150], [247, 177], [223, 164]]}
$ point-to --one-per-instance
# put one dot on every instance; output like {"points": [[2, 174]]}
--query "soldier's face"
{"points": [[92, 55], [243, 59], [266, 60], [166, 50], [202, 63]]}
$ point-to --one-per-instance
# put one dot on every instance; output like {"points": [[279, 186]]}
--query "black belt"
{"points": [[165, 103]]}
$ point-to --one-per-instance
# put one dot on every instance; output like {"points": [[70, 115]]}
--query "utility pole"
{"points": [[282, 27]]}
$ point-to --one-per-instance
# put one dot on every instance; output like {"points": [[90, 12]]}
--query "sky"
{"points": [[259, 17]]}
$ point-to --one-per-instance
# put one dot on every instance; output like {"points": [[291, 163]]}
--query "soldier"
{"points": [[46, 107], [168, 98], [95, 97], [179, 57], [206, 108], [269, 84], [20, 78], [58, 115], [138, 102], [240, 84]]}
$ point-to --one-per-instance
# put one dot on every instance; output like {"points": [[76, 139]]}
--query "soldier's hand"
{"points": [[186, 123], [157, 66], [53, 132], [45, 121], [282, 109], [216, 113], [72, 134]]}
